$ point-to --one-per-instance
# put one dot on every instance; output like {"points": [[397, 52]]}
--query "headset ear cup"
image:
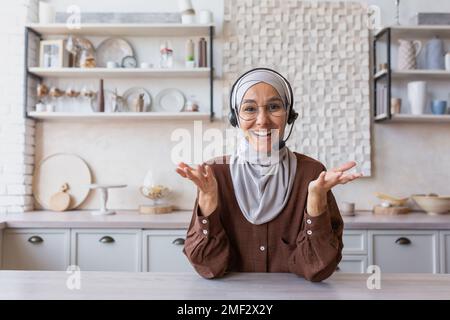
{"points": [[292, 116], [232, 119]]}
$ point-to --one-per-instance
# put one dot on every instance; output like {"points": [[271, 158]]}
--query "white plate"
{"points": [[55, 170], [112, 49], [170, 100], [131, 95]]}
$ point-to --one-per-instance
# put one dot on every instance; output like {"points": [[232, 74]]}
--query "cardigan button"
{"points": [[204, 221], [205, 232], [308, 221], [262, 248], [309, 232]]}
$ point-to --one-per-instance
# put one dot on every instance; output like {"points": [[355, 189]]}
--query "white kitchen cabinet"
{"points": [[355, 242], [405, 251], [106, 250], [36, 249], [445, 251], [352, 264], [163, 251]]}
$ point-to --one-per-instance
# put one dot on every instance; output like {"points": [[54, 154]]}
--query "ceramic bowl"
{"points": [[433, 204]]}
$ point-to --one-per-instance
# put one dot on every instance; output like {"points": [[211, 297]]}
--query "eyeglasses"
{"points": [[250, 112]]}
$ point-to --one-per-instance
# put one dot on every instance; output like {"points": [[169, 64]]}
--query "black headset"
{"points": [[292, 116]]}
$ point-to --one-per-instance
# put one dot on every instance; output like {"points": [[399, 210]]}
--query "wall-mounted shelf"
{"points": [[382, 79], [429, 118], [414, 74], [131, 30], [124, 29], [417, 31], [120, 73], [71, 116]]}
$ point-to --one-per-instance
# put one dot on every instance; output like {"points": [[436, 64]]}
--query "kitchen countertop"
{"points": [[254, 286], [181, 219]]}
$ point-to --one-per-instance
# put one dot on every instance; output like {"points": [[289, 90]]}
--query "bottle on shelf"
{"points": [[190, 57], [202, 53], [101, 98]]}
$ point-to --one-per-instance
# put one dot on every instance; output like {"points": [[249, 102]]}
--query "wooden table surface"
{"points": [[245, 286]]}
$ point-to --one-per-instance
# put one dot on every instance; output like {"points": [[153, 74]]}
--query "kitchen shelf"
{"points": [[120, 73], [124, 29], [417, 73], [39, 31], [382, 80], [63, 116], [420, 118], [425, 74], [442, 31]]}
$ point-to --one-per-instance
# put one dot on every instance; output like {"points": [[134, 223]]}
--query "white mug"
{"points": [[347, 208], [188, 18], [111, 64], [50, 107], [205, 17], [46, 13], [40, 107]]}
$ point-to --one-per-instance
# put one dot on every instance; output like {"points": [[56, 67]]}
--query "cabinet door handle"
{"points": [[106, 239], [35, 240], [178, 241], [403, 241]]}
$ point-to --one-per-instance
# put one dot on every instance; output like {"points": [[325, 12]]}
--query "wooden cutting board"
{"points": [[390, 211], [60, 201]]}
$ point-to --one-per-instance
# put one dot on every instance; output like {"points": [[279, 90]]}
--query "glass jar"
{"points": [[166, 56]]}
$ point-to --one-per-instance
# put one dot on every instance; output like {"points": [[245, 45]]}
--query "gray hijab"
{"points": [[262, 182]]}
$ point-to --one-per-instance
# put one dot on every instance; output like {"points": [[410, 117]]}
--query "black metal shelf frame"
{"points": [[378, 37]]}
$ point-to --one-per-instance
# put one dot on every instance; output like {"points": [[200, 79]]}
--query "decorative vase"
{"points": [[417, 96]]}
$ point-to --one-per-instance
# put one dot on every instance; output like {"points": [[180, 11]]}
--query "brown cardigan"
{"points": [[295, 242]]}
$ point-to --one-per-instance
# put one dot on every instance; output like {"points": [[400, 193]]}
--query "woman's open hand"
{"points": [[333, 177], [318, 189], [203, 178]]}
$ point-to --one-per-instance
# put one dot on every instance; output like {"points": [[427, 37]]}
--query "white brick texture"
{"points": [[16, 132]]}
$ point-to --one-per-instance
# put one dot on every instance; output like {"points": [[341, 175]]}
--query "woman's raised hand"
{"points": [[203, 178], [333, 177]]}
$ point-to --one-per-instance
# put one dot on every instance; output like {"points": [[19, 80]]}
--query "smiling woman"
{"points": [[265, 208]]}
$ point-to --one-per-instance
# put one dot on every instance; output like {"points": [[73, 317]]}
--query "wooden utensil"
{"points": [[60, 201], [392, 200]]}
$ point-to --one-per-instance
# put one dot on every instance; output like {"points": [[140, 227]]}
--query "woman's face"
{"points": [[262, 116]]}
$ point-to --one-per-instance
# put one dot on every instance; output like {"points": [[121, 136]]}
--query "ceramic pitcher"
{"points": [[435, 54], [408, 50]]}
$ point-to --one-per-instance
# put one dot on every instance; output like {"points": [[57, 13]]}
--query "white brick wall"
{"points": [[16, 132]]}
